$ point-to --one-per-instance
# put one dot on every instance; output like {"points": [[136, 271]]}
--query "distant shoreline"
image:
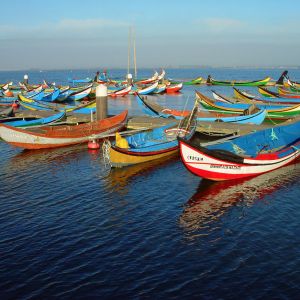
{"points": [[158, 68]]}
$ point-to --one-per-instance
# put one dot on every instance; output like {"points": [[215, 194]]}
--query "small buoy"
{"points": [[93, 144], [15, 105]]}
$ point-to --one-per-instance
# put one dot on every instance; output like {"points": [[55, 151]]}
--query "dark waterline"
{"points": [[70, 228]]}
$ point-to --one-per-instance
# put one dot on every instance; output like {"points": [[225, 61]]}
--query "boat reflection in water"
{"points": [[119, 178], [213, 199]]}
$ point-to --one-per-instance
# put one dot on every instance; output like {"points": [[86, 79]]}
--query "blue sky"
{"points": [[91, 33]]}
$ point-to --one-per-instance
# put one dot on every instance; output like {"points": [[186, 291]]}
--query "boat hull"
{"points": [[121, 157], [209, 167], [60, 136]]}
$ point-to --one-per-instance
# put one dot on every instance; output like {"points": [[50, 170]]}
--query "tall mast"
{"points": [[134, 56], [129, 47]]}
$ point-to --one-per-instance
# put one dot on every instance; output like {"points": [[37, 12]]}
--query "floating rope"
{"points": [[105, 152]]}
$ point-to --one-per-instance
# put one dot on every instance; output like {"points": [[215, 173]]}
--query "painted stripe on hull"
{"points": [[119, 159], [211, 168]]}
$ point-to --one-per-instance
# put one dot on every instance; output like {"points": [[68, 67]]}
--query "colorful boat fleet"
{"points": [[222, 155]]}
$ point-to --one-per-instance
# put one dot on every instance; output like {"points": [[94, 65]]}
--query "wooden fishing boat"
{"points": [[196, 81], [149, 80], [288, 93], [153, 109], [32, 121], [244, 156], [242, 95], [85, 108], [170, 89], [78, 95], [161, 75], [121, 92], [241, 83], [219, 97], [276, 113], [63, 94], [74, 81], [267, 93], [281, 100], [51, 96], [146, 90], [149, 145], [161, 88], [61, 135]]}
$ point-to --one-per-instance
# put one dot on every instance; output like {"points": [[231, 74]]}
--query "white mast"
{"points": [[134, 56]]}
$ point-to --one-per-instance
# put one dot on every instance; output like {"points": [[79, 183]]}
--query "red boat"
{"points": [[174, 88], [243, 156], [122, 92]]}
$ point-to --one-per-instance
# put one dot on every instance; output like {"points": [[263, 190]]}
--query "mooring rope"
{"points": [[105, 153]]}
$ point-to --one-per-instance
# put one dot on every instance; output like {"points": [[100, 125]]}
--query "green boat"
{"points": [[275, 113], [198, 80], [238, 82]]}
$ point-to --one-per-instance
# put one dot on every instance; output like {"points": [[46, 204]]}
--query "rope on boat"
{"points": [[273, 135], [181, 119], [105, 153], [237, 150], [270, 119]]}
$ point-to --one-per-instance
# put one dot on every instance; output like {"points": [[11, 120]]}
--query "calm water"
{"points": [[70, 228]]}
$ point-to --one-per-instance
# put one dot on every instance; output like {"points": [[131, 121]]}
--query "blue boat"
{"points": [[79, 81], [63, 95], [152, 144], [79, 94], [52, 96], [31, 104], [29, 122], [153, 109]]}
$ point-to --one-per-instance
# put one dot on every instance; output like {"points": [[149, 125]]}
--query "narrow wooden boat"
{"points": [[281, 99], [170, 89], [147, 90], [276, 113], [161, 88], [31, 104], [121, 92], [28, 122], [196, 81], [161, 75], [288, 93], [62, 135], [242, 95], [148, 81], [149, 145], [153, 109], [80, 94], [267, 93], [51, 96], [219, 97], [74, 81], [241, 83], [64, 93], [245, 156]]}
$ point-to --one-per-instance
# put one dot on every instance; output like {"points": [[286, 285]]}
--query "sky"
{"points": [[78, 34]]}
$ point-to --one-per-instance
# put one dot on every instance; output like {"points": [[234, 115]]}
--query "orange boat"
{"points": [[63, 135]]}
